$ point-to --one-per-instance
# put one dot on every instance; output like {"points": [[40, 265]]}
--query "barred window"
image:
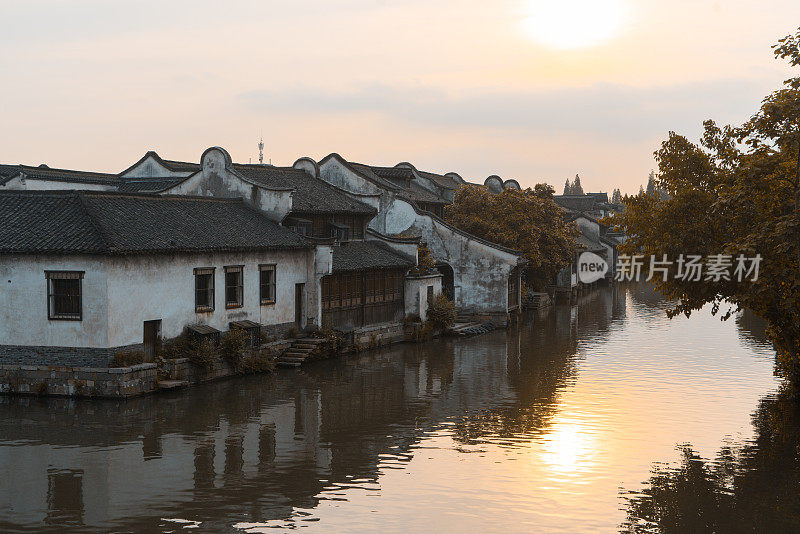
{"points": [[204, 289], [267, 283], [64, 295], [234, 286]]}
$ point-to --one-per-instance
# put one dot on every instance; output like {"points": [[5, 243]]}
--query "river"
{"points": [[556, 425]]}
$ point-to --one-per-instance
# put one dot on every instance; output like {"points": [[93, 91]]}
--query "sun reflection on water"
{"points": [[567, 448]]}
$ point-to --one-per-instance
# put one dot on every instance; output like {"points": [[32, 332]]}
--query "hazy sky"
{"points": [[531, 90]]}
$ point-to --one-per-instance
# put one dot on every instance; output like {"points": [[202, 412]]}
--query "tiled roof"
{"points": [[575, 202], [172, 165], [43, 172], [117, 223], [413, 191], [312, 195], [442, 181], [139, 185], [588, 244], [393, 173], [365, 255], [7, 171], [600, 197], [180, 166]]}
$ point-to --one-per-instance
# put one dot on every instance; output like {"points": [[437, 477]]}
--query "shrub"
{"points": [[179, 347], [258, 361], [412, 318], [426, 263], [204, 356], [232, 345], [126, 358], [441, 312], [334, 341]]}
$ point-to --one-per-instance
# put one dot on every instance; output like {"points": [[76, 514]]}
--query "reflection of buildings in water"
{"points": [[256, 448]]}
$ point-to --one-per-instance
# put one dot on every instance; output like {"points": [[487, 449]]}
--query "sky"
{"points": [[526, 89]]}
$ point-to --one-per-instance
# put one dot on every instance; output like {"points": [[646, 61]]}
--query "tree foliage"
{"points": [[737, 191], [521, 220]]}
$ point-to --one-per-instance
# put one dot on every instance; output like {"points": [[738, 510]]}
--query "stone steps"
{"points": [[471, 328], [295, 355]]}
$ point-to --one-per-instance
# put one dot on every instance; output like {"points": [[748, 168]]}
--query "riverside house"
{"points": [[85, 273], [481, 277]]}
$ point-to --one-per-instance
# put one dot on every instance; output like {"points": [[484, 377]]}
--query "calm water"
{"points": [[556, 426]]}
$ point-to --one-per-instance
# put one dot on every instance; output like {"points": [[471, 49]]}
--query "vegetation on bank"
{"points": [[528, 221], [736, 192]]}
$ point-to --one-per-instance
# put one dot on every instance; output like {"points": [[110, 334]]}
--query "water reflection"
{"points": [[535, 427], [748, 487]]}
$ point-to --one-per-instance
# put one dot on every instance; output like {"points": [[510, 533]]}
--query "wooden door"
{"points": [[152, 339], [299, 298]]}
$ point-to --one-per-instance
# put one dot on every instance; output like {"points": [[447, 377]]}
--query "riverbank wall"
{"points": [[168, 374]]}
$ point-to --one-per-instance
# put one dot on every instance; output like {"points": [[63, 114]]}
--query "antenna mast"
{"points": [[261, 151]]}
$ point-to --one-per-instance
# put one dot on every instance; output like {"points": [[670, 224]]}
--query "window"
{"points": [[204, 289], [267, 283], [234, 286], [64, 295], [430, 294]]}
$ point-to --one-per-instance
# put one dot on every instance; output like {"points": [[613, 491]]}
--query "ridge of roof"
{"points": [[367, 172], [169, 164], [66, 175]]}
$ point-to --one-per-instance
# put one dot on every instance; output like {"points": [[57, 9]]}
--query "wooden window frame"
{"points": [[232, 269], [211, 290], [263, 268], [51, 295]]}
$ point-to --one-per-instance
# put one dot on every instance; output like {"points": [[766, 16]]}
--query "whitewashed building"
{"points": [[481, 277], [85, 273]]}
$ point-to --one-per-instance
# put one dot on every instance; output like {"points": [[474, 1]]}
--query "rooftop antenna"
{"points": [[261, 151]]}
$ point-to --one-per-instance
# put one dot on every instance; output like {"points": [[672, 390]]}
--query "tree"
{"points": [[544, 191], [577, 189], [616, 197], [641, 190], [567, 188], [651, 184], [736, 192], [521, 220]]}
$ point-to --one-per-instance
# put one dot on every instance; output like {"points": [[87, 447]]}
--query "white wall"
{"points": [[23, 302], [416, 293], [480, 270], [217, 180], [121, 292], [146, 288]]}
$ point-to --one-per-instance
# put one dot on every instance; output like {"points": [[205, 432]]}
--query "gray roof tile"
{"points": [[311, 195], [367, 255], [119, 223]]}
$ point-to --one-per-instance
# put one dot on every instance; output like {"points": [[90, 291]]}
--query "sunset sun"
{"points": [[571, 24]]}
